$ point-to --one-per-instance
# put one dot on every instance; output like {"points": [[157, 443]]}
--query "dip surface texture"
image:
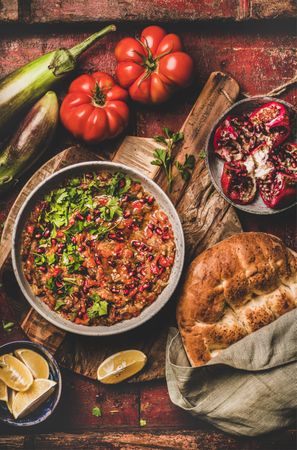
{"points": [[98, 249]]}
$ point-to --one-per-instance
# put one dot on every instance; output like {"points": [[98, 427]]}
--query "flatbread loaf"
{"points": [[232, 289]]}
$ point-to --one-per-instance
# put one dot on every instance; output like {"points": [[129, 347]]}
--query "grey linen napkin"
{"points": [[249, 389]]}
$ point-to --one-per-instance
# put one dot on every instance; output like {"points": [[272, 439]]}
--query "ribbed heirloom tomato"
{"points": [[154, 66], [95, 108]]}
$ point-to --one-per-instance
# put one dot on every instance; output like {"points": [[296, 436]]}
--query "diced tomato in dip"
{"points": [[98, 249]]}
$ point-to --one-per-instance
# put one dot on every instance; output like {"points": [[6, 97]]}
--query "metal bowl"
{"points": [[215, 165], [52, 182], [46, 409]]}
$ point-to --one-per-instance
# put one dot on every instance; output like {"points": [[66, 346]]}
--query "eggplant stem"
{"points": [[78, 49]]}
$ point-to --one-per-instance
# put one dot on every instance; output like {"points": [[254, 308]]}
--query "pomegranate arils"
{"points": [[286, 159], [237, 184], [249, 144], [277, 189]]}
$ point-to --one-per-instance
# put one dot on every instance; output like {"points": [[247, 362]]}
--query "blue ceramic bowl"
{"points": [[46, 408]]}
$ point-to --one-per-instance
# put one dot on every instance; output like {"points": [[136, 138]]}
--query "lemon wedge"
{"points": [[10, 399], [26, 402], [14, 373], [120, 366], [3, 391], [34, 361]]}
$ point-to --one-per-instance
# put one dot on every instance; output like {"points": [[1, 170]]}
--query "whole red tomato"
{"points": [[154, 66], [95, 108]]}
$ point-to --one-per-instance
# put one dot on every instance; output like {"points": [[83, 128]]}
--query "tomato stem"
{"points": [[99, 96]]}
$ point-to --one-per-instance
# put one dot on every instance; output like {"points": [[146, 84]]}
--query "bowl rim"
{"points": [[246, 208], [93, 330], [45, 352]]}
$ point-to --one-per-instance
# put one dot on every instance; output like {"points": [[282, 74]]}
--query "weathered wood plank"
{"points": [[156, 10], [181, 440], [9, 10]]}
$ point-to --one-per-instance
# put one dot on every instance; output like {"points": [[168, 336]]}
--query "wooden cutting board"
{"points": [[205, 216]]}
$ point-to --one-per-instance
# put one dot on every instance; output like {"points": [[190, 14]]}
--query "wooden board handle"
{"points": [[206, 217], [42, 332], [219, 92]]}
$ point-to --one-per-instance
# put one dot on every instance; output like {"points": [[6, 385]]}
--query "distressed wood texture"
{"points": [[182, 440], [9, 10], [129, 10], [261, 55]]}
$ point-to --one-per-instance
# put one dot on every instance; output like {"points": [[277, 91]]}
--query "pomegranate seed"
{"points": [[135, 227], [120, 239], [85, 289], [165, 237], [114, 290], [60, 292], [38, 236], [56, 271], [43, 269], [150, 257], [150, 200], [79, 216], [158, 231], [122, 183], [73, 240], [135, 244], [112, 236], [30, 229], [41, 250], [125, 198], [126, 214], [81, 248], [132, 273], [111, 263], [126, 292], [97, 260], [46, 233], [54, 241], [59, 284], [144, 287], [151, 226], [89, 218]]}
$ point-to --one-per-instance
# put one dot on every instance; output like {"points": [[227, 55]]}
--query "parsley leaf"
{"points": [[51, 258], [163, 156], [111, 209], [186, 168], [142, 422], [59, 304], [99, 307], [96, 411], [118, 185], [7, 326]]}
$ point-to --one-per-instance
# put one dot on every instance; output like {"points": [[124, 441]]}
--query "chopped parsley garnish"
{"points": [[96, 411], [111, 209], [7, 326], [59, 304], [99, 307], [51, 259], [118, 185], [142, 422]]}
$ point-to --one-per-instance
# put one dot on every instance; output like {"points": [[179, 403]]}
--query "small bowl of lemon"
{"points": [[30, 383]]}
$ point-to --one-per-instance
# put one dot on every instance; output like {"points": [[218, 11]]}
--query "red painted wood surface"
{"points": [[260, 55]]}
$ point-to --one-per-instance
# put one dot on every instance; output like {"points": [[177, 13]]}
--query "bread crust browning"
{"points": [[232, 289]]}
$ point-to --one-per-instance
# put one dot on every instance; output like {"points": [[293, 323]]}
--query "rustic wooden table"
{"points": [[254, 41]]}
